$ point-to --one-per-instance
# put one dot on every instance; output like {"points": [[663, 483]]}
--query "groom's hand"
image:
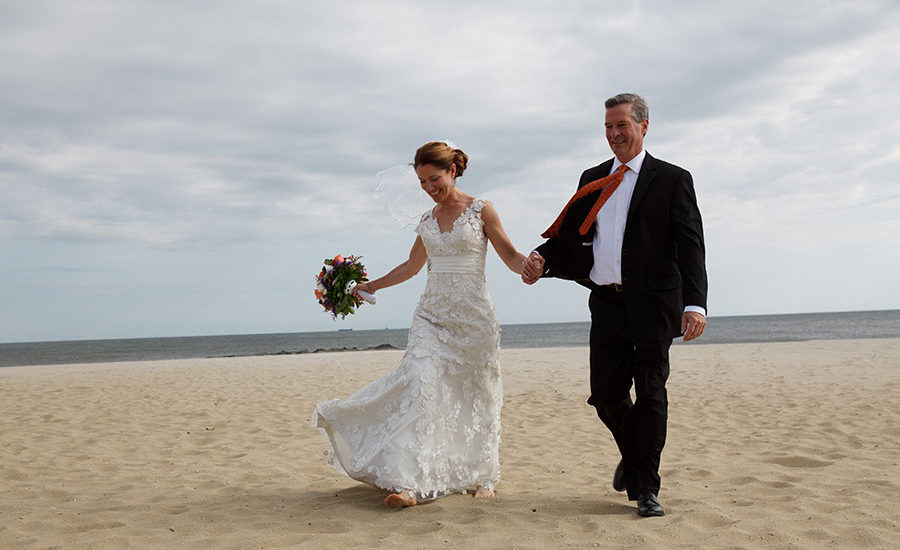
{"points": [[692, 325], [533, 268]]}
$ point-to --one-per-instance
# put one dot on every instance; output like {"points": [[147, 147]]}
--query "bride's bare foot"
{"points": [[400, 500], [483, 492]]}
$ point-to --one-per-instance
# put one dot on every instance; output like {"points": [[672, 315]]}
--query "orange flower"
{"points": [[319, 294], [338, 259]]}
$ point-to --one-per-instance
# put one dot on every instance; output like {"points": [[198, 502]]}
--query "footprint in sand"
{"points": [[799, 462]]}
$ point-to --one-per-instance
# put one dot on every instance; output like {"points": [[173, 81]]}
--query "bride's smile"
{"points": [[437, 182]]}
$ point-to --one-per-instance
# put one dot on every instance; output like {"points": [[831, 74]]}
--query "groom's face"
{"points": [[625, 136]]}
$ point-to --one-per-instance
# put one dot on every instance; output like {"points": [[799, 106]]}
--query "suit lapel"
{"points": [[645, 178]]}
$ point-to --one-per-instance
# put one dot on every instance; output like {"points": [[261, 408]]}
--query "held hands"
{"points": [[692, 325], [532, 268]]}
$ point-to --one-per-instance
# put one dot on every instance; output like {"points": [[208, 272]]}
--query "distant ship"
{"points": [[345, 329]]}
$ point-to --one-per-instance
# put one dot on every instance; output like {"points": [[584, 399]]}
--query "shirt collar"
{"points": [[633, 164]]}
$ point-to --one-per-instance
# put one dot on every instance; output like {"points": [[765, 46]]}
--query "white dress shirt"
{"points": [[611, 228]]}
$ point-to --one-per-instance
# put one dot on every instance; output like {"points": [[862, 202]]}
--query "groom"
{"points": [[633, 235]]}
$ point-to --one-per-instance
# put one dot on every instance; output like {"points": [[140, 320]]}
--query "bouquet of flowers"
{"points": [[334, 285]]}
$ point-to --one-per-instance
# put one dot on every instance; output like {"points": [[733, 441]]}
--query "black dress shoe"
{"points": [[619, 478], [649, 506]]}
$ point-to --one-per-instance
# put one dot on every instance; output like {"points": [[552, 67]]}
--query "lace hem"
{"points": [[446, 441]]}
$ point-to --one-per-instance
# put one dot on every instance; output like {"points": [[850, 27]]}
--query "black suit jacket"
{"points": [[663, 254]]}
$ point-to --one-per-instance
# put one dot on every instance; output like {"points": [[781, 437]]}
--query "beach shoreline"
{"points": [[776, 445]]}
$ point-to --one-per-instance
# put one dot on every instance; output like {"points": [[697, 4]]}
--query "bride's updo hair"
{"points": [[438, 153]]}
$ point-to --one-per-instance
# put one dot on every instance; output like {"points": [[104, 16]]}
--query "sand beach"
{"points": [[775, 445]]}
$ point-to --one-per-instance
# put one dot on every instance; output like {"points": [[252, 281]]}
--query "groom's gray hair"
{"points": [[640, 111]]}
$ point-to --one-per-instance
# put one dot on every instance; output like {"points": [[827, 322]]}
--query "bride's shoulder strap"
{"points": [[476, 210], [423, 218]]}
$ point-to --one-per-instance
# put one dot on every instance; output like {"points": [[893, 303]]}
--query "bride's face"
{"points": [[437, 182]]}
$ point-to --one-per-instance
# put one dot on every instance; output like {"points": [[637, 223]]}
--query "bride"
{"points": [[432, 426]]}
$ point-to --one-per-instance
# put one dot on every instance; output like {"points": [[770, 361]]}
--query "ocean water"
{"points": [[755, 328]]}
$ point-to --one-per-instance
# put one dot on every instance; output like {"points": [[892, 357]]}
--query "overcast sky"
{"points": [[183, 168]]}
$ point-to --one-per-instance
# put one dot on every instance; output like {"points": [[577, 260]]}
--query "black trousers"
{"points": [[618, 361]]}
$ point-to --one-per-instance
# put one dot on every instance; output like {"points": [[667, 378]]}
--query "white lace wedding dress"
{"points": [[432, 425]]}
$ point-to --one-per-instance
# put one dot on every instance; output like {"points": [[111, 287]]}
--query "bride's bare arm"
{"points": [[404, 271], [499, 240]]}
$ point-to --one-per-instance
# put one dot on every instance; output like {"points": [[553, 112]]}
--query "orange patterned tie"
{"points": [[608, 184]]}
